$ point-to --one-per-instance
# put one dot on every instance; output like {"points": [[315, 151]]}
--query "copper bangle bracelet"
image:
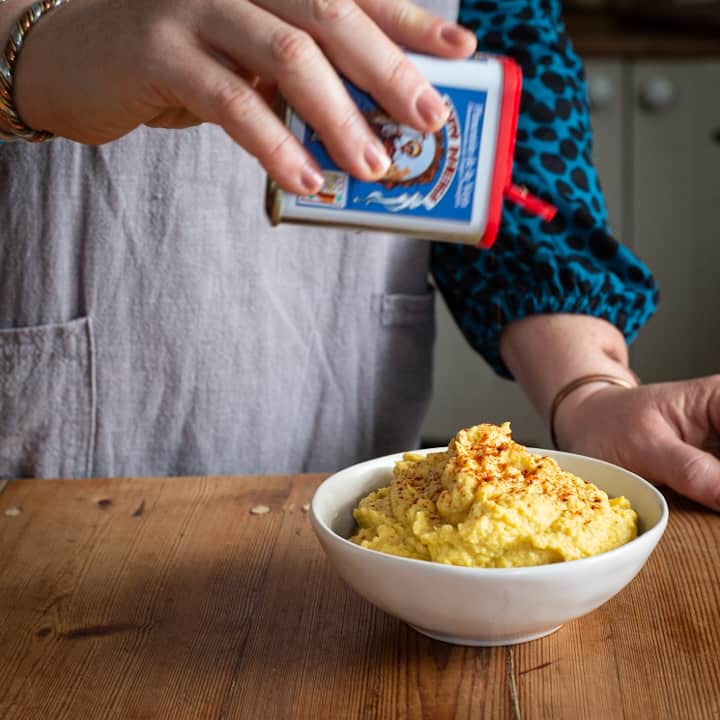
{"points": [[18, 129], [579, 382]]}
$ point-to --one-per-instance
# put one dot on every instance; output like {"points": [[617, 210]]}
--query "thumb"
{"points": [[688, 470]]}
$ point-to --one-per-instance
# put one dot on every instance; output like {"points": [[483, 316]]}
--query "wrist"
{"points": [[546, 352], [10, 11], [12, 43], [573, 394]]}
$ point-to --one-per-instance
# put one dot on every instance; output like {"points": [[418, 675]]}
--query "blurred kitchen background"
{"points": [[653, 72]]}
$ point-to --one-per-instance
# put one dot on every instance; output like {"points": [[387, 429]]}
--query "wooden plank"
{"points": [[604, 34], [167, 598], [195, 608], [105, 612], [652, 651]]}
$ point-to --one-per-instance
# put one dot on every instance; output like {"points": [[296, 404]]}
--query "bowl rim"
{"points": [[649, 537]]}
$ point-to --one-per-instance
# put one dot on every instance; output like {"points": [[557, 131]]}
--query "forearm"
{"points": [[545, 352], [573, 264]]}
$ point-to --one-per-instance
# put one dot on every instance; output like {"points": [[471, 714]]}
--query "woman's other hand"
{"points": [[669, 433]]}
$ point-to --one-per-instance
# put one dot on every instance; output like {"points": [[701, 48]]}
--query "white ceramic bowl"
{"points": [[478, 606]]}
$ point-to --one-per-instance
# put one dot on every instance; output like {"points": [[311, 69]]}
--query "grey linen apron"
{"points": [[152, 322]]}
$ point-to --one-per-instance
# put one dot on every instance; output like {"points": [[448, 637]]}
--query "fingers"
{"points": [[289, 57], [413, 27], [214, 93], [362, 52], [656, 431], [691, 472], [303, 47]]}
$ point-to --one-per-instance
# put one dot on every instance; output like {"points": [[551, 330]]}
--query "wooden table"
{"points": [[168, 598]]}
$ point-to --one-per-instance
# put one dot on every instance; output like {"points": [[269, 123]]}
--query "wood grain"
{"points": [[167, 598], [609, 35]]}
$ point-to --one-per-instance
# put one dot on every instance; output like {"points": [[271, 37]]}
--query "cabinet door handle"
{"points": [[657, 94], [601, 92]]}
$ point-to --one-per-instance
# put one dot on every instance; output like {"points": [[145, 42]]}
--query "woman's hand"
{"points": [[669, 433], [93, 70]]}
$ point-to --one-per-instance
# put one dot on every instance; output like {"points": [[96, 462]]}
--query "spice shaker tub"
{"points": [[448, 185]]}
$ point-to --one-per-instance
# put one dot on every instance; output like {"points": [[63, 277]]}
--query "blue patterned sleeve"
{"points": [[569, 265]]}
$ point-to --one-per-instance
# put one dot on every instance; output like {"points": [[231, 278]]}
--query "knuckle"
{"points": [[236, 104], [279, 152], [403, 16], [349, 123], [332, 11], [155, 37], [398, 69], [696, 470], [291, 47]]}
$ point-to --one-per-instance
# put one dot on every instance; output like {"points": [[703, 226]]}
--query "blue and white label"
{"points": [[439, 181], [430, 173]]}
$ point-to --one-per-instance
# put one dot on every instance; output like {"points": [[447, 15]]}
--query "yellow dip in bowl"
{"points": [[488, 502]]}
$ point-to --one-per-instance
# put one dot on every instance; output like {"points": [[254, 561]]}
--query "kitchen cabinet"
{"points": [[657, 149], [673, 211]]}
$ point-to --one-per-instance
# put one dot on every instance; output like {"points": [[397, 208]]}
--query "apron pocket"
{"points": [[404, 369], [47, 400], [401, 310]]}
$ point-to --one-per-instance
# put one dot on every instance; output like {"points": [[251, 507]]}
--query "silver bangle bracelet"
{"points": [[8, 60]]}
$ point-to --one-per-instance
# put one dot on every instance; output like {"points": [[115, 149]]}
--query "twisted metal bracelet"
{"points": [[18, 129]]}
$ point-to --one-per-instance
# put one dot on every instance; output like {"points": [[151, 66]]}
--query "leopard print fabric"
{"points": [[572, 264]]}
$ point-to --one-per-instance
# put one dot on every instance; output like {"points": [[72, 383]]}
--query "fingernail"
{"points": [[311, 178], [431, 107], [453, 34], [376, 158]]}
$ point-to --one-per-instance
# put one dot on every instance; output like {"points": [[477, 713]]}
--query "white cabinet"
{"points": [[606, 83], [657, 149], [467, 392], [673, 212]]}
